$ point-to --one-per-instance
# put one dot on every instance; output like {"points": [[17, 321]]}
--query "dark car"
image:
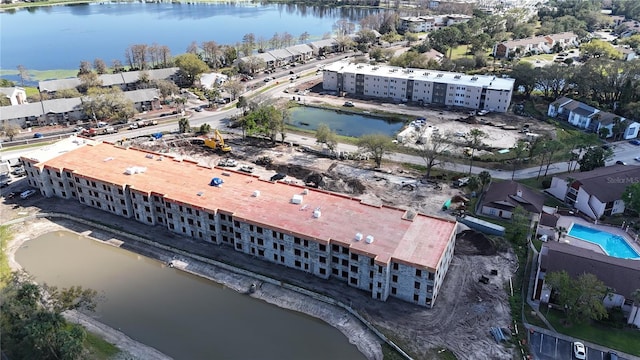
{"points": [[37, 136], [611, 355], [278, 176], [634, 142], [620, 162]]}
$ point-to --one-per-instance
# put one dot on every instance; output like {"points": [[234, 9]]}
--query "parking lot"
{"points": [[547, 347]]}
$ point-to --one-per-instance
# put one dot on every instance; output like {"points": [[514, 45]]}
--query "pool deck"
{"points": [[567, 221]]}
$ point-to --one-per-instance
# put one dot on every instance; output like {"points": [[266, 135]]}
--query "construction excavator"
{"points": [[216, 142]]}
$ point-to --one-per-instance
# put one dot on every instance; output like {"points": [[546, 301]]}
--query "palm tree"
{"points": [[475, 137], [485, 179]]}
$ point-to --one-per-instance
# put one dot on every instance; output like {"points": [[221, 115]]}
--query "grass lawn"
{"points": [[39, 75], [625, 340], [5, 271], [541, 57], [459, 52], [98, 348]]}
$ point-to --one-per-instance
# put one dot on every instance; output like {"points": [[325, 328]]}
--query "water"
{"points": [[59, 37], [347, 124], [182, 315], [613, 245]]}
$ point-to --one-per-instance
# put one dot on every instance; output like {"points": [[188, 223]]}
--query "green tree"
{"points": [[204, 129], [166, 88], [594, 158], [518, 230], [631, 197], [600, 49], [107, 104], [485, 179], [67, 94], [32, 325], [474, 138], [581, 298], [377, 145], [183, 126], [326, 136], [242, 104], [191, 66], [525, 77], [88, 81], [433, 150], [474, 183]]}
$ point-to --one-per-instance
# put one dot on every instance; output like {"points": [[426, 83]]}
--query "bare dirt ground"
{"points": [[464, 310]]}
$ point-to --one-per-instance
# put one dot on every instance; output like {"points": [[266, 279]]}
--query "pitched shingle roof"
{"points": [[506, 192], [623, 275], [607, 183]]}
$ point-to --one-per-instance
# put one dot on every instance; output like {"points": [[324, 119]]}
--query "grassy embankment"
{"points": [[622, 339]]}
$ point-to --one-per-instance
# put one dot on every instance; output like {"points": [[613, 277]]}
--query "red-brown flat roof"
{"points": [[420, 242]]}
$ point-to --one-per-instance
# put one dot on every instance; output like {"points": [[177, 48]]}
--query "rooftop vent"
{"points": [[135, 170], [296, 199], [359, 236], [256, 193], [457, 77], [108, 159], [305, 192], [474, 78], [160, 158], [369, 239], [149, 156], [439, 75], [200, 193], [317, 213]]}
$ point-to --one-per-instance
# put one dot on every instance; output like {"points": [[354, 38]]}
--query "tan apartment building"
{"points": [[381, 250]]}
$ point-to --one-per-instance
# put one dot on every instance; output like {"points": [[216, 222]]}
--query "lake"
{"points": [[182, 315], [343, 123], [59, 37]]}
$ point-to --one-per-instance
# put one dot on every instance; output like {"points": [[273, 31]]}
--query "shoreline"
{"points": [[357, 334]]}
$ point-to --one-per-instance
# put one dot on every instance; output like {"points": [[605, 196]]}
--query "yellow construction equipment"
{"points": [[217, 142]]}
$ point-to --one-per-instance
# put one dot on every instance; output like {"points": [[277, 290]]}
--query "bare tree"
{"points": [[287, 39], [193, 48], [433, 149], [262, 43], [303, 37], [275, 41], [24, 74], [344, 27], [212, 52], [116, 66], [100, 66], [233, 87], [85, 67], [474, 137], [165, 55]]}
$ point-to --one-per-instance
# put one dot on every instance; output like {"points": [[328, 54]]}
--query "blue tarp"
{"points": [[157, 135], [216, 182]]}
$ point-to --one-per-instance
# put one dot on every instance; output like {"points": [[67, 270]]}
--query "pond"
{"points": [[343, 123], [182, 315]]}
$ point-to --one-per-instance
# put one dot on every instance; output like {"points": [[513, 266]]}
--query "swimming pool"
{"points": [[613, 245]]}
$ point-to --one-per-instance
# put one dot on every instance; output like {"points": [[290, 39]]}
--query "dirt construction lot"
{"points": [[465, 308]]}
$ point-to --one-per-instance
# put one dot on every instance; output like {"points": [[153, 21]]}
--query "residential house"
{"points": [[16, 95], [282, 56], [324, 46], [628, 54], [432, 22], [503, 197], [628, 28], [595, 193], [300, 52], [537, 44], [61, 111], [587, 117], [621, 276], [125, 80], [547, 226]]}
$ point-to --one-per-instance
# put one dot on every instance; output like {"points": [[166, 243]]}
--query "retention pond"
{"points": [[184, 316]]}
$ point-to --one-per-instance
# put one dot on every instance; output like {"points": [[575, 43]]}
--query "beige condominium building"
{"points": [[449, 89], [381, 250]]}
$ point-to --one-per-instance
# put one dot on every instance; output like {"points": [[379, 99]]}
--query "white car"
{"points": [[579, 351], [27, 194], [637, 159]]}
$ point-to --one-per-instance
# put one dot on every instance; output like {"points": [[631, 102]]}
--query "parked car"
{"points": [[246, 168], [620, 162], [612, 355], [37, 135], [637, 159], [579, 351], [634, 142], [349, 104], [278, 176], [27, 194], [19, 171], [198, 109]]}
